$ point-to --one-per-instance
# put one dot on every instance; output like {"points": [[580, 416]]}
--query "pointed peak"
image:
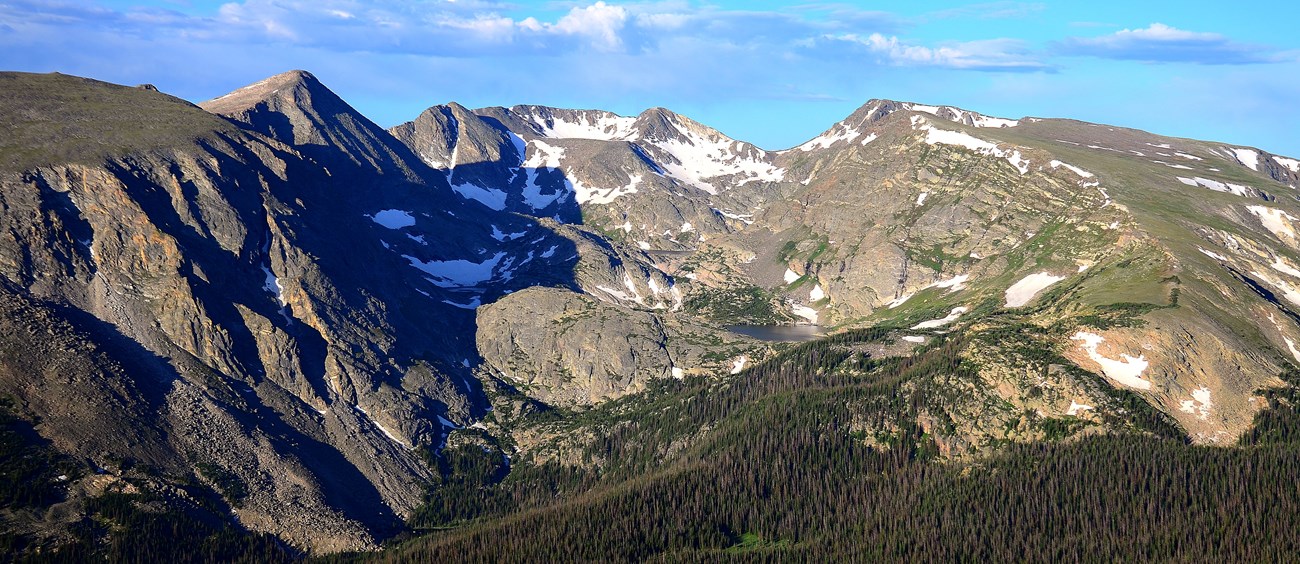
{"points": [[280, 85], [456, 108], [659, 111]]}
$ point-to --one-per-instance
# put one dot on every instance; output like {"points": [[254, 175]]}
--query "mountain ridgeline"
{"points": [[485, 331]]}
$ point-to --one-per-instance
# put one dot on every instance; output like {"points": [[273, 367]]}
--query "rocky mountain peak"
{"points": [[298, 110], [662, 124], [278, 87]]}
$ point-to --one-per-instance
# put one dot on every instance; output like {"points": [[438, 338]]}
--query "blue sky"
{"points": [[771, 72]]}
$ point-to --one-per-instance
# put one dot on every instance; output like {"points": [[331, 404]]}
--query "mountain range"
{"points": [[267, 314]]}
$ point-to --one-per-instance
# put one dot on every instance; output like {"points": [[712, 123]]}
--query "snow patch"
{"points": [[393, 219], [1126, 371], [492, 198], [1072, 168], [954, 284], [963, 116], [816, 294], [933, 323], [1226, 187], [678, 373], [1212, 254], [1246, 157], [604, 126], [805, 312], [747, 219], [920, 200], [1200, 403], [1171, 165], [935, 136], [1275, 220], [1023, 291], [1076, 408], [473, 303], [457, 273], [272, 285], [739, 364], [1292, 164], [791, 276], [1294, 351], [502, 236], [703, 156], [1290, 292], [1281, 265], [840, 132], [917, 339]]}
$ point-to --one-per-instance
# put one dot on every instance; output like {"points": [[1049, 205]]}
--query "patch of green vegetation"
{"points": [[934, 257], [752, 541], [231, 486], [130, 528], [1279, 423], [744, 304], [31, 472], [1058, 428]]}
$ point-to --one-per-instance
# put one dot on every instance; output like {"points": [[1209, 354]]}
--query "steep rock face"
{"points": [[311, 328], [569, 349], [594, 352]]}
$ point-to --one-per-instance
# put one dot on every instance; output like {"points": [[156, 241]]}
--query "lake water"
{"points": [[782, 333]]}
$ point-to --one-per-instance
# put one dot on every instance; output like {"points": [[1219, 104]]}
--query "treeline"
{"points": [[113, 527], [782, 474], [824, 499]]}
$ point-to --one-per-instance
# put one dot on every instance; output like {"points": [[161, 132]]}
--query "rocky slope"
{"points": [[273, 296]]}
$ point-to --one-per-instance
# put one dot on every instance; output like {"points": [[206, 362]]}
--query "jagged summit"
{"points": [[857, 126]]}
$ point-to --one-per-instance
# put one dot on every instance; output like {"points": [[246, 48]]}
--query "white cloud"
{"points": [[599, 21], [1162, 32], [987, 55], [1166, 44]]}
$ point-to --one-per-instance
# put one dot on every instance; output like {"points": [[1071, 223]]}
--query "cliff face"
{"points": [[274, 297], [215, 270]]}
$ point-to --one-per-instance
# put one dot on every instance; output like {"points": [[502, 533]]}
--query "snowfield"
{"points": [[457, 273], [935, 323], [1127, 371], [1276, 221], [393, 219], [604, 126], [1021, 292], [1246, 157], [1199, 405], [1217, 186], [934, 136]]}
